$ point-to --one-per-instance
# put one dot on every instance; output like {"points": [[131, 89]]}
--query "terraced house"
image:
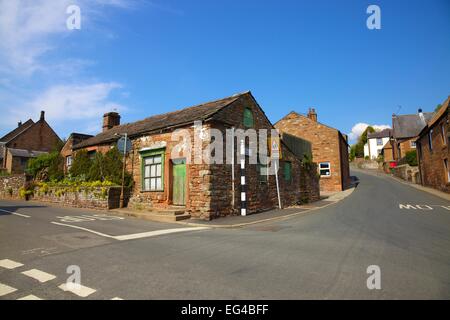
{"points": [[167, 176], [434, 151]]}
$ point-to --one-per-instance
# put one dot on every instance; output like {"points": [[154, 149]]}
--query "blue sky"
{"points": [[148, 57]]}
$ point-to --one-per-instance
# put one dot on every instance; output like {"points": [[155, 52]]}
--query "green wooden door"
{"points": [[179, 182]]}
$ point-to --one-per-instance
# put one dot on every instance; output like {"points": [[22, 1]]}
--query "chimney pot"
{"points": [[42, 115], [19, 123], [110, 120], [312, 114]]}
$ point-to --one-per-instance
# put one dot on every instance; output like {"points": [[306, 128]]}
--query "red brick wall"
{"points": [[326, 147], [40, 137], [431, 164]]}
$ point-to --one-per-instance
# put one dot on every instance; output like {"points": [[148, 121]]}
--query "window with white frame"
{"points": [[379, 141], [325, 169], [68, 161], [152, 175], [413, 144]]}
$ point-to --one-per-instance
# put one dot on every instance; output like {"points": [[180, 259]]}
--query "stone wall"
{"points": [[10, 185], [92, 197], [406, 172], [82, 197]]}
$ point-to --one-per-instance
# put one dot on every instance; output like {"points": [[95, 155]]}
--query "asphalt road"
{"points": [[321, 255]]}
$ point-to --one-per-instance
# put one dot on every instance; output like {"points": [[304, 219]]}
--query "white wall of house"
{"points": [[374, 146]]}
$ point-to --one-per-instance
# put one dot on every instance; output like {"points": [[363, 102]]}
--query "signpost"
{"points": [[124, 146], [275, 155]]}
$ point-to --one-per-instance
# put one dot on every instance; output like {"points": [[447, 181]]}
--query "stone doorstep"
{"points": [[154, 215]]}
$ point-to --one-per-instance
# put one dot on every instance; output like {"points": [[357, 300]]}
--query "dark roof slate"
{"points": [[188, 115], [409, 125], [10, 135], [379, 134], [25, 153]]}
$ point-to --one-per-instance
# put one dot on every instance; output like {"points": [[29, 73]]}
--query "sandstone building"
{"points": [[26, 141], [434, 151], [166, 176], [329, 148]]}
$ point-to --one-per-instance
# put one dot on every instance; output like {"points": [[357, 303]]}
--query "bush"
{"points": [[81, 164], [51, 163], [411, 158], [104, 167]]}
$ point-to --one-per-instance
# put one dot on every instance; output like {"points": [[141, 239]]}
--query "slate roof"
{"points": [[25, 153], [409, 125], [379, 134], [10, 135], [204, 111], [440, 112]]}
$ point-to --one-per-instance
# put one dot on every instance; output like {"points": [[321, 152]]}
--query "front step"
{"points": [[168, 211], [161, 216]]}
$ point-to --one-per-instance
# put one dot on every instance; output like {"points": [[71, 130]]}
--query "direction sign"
{"points": [[124, 144]]}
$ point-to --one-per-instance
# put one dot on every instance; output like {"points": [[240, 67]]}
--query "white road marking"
{"points": [[79, 290], [157, 233], [16, 214], [84, 229], [39, 275], [116, 298], [30, 297], [135, 235], [4, 289], [10, 264]]}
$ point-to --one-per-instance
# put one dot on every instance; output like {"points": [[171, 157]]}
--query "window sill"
{"points": [[147, 191], [326, 177]]}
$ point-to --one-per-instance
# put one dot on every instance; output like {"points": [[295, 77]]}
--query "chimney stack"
{"points": [[42, 115], [19, 123], [422, 118], [312, 114], [110, 120]]}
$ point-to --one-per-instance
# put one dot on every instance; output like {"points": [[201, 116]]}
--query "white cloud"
{"points": [[359, 128], [65, 103], [28, 30]]}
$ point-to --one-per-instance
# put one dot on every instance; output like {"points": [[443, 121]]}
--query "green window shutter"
{"points": [[248, 118], [287, 171]]}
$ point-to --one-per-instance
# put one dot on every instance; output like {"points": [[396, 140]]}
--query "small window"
{"points": [[263, 173], [325, 169], [248, 118], [444, 141], [413, 144], [379, 141], [430, 140], [153, 173], [447, 169], [69, 161], [287, 171]]}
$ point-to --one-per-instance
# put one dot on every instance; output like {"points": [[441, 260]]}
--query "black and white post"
{"points": [[243, 185]]}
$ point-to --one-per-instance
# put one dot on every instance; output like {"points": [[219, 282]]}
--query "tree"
{"points": [[438, 107], [47, 166], [363, 138], [81, 164]]}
